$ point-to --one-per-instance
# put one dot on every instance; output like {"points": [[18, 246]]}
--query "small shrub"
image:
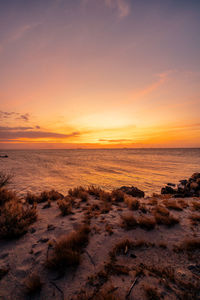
{"points": [[162, 210], [33, 284], [153, 201], [31, 198], [67, 249], [106, 207], [109, 229], [196, 205], [15, 219], [83, 195], [65, 207], [5, 179], [118, 196], [94, 191], [6, 196], [182, 203], [105, 196], [195, 219], [132, 203], [152, 293], [166, 220], [54, 195], [129, 222], [172, 204], [147, 223], [188, 245]]}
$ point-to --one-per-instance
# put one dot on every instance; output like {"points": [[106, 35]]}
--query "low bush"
{"points": [[172, 204], [65, 207], [15, 219], [5, 179], [147, 223], [168, 221], [129, 222], [6, 196], [132, 203], [118, 196], [68, 249], [33, 284]]}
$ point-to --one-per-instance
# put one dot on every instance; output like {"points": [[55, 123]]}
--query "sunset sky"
{"points": [[99, 73]]}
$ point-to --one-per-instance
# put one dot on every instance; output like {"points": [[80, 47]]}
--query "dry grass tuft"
{"points": [[147, 223], [5, 179], [152, 293], [153, 201], [132, 203], [79, 192], [122, 247], [94, 191], [68, 249], [118, 196], [6, 196], [172, 204], [195, 219], [109, 228], [15, 219], [129, 222], [182, 203], [162, 210], [168, 221], [3, 271], [105, 196], [65, 206], [105, 207], [196, 205], [188, 245], [33, 284]]}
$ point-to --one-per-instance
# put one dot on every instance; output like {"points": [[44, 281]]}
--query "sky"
{"points": [[99, 73]]}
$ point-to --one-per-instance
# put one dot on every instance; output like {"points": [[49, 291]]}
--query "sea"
{"points": [[148, 169]]}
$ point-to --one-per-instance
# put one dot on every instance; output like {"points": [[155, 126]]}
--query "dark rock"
{"points": [[43, 240], [4, 255], [168, 190], [183, 182], [194, 186], [133, 255], [50, 227], [32, 230], [3, 271], [194, 269], [195, 175], [171, 184], [133, 191]]}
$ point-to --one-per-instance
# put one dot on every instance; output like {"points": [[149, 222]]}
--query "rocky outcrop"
{"points": [[133, 191], [185, 188]]}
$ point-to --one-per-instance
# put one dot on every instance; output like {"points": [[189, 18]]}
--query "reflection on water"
{"points": [[148, 169]]}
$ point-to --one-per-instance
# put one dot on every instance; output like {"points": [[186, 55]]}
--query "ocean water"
{"points": [[148, 169]]}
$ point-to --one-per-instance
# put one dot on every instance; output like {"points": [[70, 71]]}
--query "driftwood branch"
{"points": [[131, 287], [62, 293], [90, 257]]}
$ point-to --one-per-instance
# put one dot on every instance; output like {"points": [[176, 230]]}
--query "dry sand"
{"points": [[27, 255]]}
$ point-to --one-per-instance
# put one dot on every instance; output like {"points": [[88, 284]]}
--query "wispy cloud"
{"points": [[12, 135], [5, 115], [122, 6], [160, 80], [115, 141]]}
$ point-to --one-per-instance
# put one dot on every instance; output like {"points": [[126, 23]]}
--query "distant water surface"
{"points": [[148, 169]]}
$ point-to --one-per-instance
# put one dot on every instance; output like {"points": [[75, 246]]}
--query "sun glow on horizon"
{"points": [[69, 79]]}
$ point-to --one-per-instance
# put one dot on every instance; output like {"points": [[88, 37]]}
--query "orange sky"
{"points": [[87, 74]]}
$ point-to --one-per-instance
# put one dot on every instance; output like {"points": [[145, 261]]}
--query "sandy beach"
{"points": [[93, 244]]}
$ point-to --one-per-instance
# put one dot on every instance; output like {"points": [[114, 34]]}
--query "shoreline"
{"points": [[93, 244]]}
